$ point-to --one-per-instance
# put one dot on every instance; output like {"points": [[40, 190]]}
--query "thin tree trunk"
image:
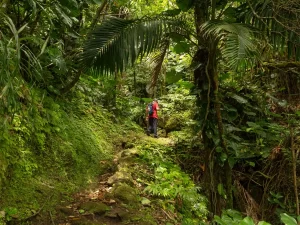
{"points": [[98, 13], [68, 87], [217, 106], [134, 83], [294, 162]]}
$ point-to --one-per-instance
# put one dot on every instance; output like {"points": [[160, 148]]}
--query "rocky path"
{"points": [[117, 198]]}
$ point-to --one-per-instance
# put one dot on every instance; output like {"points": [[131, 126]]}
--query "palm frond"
{"points": [[278, 21], [236, 41], [117, 43]]}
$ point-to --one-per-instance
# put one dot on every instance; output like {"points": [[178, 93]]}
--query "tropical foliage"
{"points": [[73, 73]]}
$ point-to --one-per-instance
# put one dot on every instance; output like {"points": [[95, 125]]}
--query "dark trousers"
{"points": [[152, 128]]}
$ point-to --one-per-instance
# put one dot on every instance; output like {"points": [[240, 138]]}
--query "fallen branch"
{"points": [[281, 65], [52, 221]]}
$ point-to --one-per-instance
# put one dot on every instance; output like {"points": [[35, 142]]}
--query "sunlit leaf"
{"points": [[263, 223], [247, 221], [287, 220]]}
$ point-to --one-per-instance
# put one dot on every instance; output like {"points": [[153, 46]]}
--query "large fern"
{"points": [[236, 41], [117, 43]]}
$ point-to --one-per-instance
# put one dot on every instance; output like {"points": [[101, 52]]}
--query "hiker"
{"points": [[152, 117]]}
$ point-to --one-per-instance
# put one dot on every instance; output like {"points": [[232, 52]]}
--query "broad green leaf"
{"points": [[287, 220], [247, 221], [184, 5], [221, 189], [253, 125], [81, 211], [231, 161], [223, 157], [239, 99], [219, 149], [252, 164], [263, 223], [185, 84], [236, 215], [230, 128], [250, 113], [219, 220], [173, 76], [181, 47]]}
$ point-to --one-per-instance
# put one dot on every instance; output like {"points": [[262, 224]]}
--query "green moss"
{"points": [[45, 159], [95, 207], [126, 194]]}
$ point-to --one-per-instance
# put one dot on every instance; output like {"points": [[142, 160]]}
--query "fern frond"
{"points": [[117, 43], [236, 41], [278, 21]]}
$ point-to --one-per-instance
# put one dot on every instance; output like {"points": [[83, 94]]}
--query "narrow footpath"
{"points": [[118, 197]]}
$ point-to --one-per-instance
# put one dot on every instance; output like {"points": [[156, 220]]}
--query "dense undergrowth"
{"points": [[174, 189], [52, 148]]}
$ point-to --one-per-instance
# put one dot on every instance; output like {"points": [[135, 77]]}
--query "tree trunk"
{"points": [[207, 88], [202, 80], [69, 86], [217, 105], [294, 163], [98, 13]]}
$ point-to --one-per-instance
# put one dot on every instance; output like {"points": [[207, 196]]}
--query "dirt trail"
{"points": [[117, 197]]}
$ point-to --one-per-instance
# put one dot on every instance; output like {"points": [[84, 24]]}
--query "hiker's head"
{"points": [[155, 100]]}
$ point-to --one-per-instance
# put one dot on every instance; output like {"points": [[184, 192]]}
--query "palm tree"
{"points": [[117, 43]]}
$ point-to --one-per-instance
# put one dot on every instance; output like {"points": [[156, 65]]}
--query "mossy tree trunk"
{"points": [[207, 84]]}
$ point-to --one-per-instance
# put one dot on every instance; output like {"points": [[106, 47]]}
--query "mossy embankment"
{"points": [[51, 150]]}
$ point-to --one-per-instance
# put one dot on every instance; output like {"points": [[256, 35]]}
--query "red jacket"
{"points": [[155, 107]]}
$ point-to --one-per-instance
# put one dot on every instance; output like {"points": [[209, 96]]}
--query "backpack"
{"points": [[150, 109]]}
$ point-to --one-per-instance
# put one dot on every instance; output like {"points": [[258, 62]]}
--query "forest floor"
{"points": [[117, 197]]}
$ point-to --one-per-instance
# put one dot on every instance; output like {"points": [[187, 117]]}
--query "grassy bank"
{"points": [[51, 149]]}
